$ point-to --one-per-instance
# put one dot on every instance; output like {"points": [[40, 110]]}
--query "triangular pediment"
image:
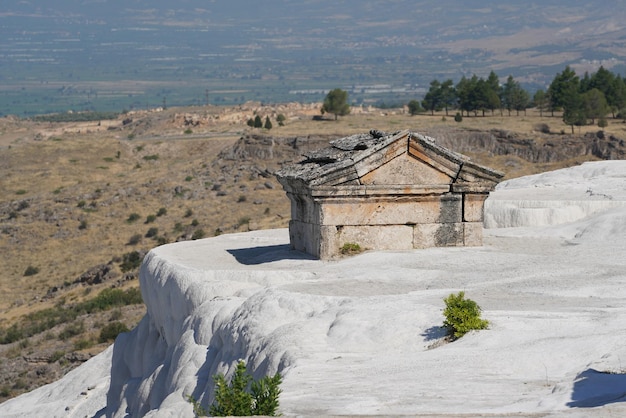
{"points": [[378, 158], [405, 170]]}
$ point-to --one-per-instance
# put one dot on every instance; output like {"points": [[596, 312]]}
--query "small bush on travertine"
{"points": [[243, 396], [350, 248], [462, 315]]}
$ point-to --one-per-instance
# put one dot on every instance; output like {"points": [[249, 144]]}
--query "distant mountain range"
{"points": [[285, 50]]}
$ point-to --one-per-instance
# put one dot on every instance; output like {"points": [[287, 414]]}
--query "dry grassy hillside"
{"points": [[77, 200]]}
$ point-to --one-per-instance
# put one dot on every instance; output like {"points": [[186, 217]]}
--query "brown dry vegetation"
{"points": [[67, 193]]}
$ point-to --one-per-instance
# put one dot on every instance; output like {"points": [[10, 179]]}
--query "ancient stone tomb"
{"points": [[384, 191]]}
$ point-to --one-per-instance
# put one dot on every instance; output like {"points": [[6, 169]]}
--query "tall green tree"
{"points": [[414, 107], [595, 105], [616, 96], [481, 96], [584, 84], [514, 97], [540, 100], [562, 87], [573, 108], [520, 99], [448, 94], [508, 93], [433, 100], [601, 80], [465, 89], [494, 96], [336, 102]]}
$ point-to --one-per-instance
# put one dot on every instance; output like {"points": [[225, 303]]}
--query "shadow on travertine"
{"points": [[268, 254], [594, 388]]}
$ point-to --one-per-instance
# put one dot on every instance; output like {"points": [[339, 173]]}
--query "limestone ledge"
{"points": [[195, 292]]}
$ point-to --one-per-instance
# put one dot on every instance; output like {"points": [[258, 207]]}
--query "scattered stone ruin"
{"points": [[383, 191]]}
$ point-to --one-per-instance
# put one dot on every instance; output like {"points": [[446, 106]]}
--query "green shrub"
{"points": [[56, 356], [161, 212], [110, 298], [152, 232], [31, 271], [72, 330], [350, 248], [150, 218], [131, 261], [111, 331], [197, 234], [20, 383], [135, 239], [458, 117], [116, 315], [188, 213], [188, 131], [542, 127], [83, 344], [152, 157], [245, 397], [462, 315], [244, 220], [133, 217], [89, 116], [46, 319], [603, 123]]}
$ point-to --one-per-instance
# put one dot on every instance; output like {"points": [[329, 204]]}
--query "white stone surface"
{"points": [[355, 336]]}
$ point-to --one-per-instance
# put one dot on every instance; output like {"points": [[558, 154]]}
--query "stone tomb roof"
{"points": [[349, 160]]}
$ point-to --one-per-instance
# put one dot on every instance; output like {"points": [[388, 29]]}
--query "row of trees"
{"points": [[258, 123], [473, 95], [590, 98]]}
